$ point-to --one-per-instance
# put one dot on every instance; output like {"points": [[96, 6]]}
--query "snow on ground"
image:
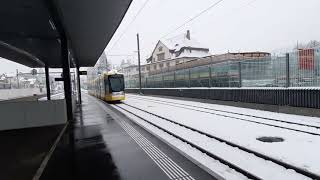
{"points": [[247, 161], [6, 94], [243, 116], [298, 149], [314, 121], [53, 97]]}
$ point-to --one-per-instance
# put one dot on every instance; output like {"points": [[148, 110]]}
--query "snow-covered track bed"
{"points": [[303, 127], [250, 163]]}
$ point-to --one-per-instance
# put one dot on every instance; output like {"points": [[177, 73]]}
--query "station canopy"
{"points": [[31, 30]]}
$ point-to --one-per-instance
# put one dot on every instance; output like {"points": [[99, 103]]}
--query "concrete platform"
{"points": [[23, 150], [101, 145]]}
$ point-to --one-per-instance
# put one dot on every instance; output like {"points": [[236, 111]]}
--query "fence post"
{"points": [[210, 76], [146, 82], [287, 70], [163, 81], [189, 77], [240, 77], [174, 79]]}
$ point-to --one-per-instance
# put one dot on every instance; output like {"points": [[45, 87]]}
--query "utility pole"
{"points": [[287, 70], [239, 73], [139, 63], [10, 79], [18, 79], [46, 67]]}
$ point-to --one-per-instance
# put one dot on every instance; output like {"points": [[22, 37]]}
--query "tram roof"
{"points": [[31, 30]]}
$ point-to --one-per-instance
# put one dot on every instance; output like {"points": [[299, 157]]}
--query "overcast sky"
{"points": [[234, 25]]}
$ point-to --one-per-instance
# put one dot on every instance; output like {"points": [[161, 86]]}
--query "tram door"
{"points": [[102, 87], [106, 82]]}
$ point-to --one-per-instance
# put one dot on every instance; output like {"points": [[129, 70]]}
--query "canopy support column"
{"points": [[66, 76], [47, 82], [79, 85]]}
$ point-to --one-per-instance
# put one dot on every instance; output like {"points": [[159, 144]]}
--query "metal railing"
{"points": [[296, 69]]}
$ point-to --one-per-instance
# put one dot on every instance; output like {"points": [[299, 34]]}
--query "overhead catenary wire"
{"points": [[202, 12], [192, 18], [178, 27], [199, 14], [131, 22], [250, 2]]}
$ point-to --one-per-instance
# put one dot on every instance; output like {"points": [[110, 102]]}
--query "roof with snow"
{"points": [[178, 42], [182, 46]]}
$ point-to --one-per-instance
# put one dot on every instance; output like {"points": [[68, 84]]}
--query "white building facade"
{"points": [[168, 53]]}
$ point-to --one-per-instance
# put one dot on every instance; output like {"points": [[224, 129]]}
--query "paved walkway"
{"points": [[23, 150], [104, 144]]}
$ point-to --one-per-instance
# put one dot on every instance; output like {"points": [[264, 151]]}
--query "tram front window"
{"points": [[116, 83]]}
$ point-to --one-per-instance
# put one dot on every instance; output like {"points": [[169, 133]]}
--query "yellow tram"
{"points": [[108, 86]]}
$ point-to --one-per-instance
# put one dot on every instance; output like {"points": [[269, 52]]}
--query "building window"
{"points": [[160, 56], [168, 64], [160, 48], [161, 65], [142, 69], [148, 68], [155, 67]]}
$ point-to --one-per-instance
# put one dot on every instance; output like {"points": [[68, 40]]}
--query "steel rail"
{"points": [[258, 154]]}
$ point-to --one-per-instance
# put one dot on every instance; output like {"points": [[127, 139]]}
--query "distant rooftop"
{"points": [[184, 40], [183, 45]]}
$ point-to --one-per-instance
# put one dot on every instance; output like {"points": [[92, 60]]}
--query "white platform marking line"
{"points": [[164, 162], [170, 167], [178, 168], [159, 153], [162, 167], [175, 175], [155, 157], [170, 164], [48, 156], [179, 172]]}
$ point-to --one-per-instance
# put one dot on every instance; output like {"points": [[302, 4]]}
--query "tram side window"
{"points": [[116, 83]]}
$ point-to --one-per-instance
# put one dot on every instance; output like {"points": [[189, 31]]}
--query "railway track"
{"points": [[298, 127], [252, 155]]}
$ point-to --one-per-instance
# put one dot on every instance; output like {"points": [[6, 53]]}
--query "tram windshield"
{"points": [[116, 83]]}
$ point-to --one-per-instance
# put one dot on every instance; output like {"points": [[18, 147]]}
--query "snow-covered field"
{"points": [[6, 94], [298, 148], [309, 125]]}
